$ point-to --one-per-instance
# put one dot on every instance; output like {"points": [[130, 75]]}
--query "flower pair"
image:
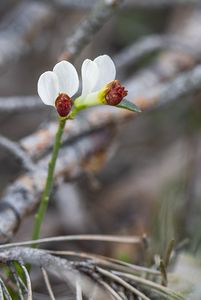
{"points": [[99, 86]]}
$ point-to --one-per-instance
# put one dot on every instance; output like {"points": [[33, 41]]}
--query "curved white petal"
{"points": [[67, 77], [48, 88], [107, 71], [90, 74]]}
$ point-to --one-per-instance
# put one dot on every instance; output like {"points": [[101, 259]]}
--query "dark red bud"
{"points": [[115, 93], [63, 105]]}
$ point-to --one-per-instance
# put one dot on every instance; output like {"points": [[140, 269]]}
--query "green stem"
{"points": [[49, 182]]}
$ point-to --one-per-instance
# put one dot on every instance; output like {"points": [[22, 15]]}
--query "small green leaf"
{"points": [[129, 105]]}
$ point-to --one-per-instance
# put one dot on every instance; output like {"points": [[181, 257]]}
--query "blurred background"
{"points": [[147, 181]]}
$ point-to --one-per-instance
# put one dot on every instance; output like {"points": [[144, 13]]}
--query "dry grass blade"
{"points": [[169, 252], [85, 237], [134, 268], [164, 280], [48, 285], [6, 294], [166, 292], [78, 291], [123, 283], [28, 280], [110, 290]]}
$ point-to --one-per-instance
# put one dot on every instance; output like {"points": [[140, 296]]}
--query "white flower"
{"points": [[96, 75], [63, 80]]}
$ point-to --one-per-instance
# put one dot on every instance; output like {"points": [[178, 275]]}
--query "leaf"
{"points": [[129, 105]]}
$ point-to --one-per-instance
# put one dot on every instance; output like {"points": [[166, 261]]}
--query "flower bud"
{"points": [[115, 92], [63, 105]]}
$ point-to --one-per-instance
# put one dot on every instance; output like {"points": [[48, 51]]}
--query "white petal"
{"points": [[68, 78], [48, 87], [89, 76], [107, 71]]}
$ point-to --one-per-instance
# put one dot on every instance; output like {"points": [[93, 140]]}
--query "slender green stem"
{"points": [[49, 182]]}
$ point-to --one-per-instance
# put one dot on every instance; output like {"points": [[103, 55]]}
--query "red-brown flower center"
{"points": [[115, 93], [63, 105]]}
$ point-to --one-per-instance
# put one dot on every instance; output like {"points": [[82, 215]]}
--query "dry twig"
{"points": [[47, 283], [82, 36]]}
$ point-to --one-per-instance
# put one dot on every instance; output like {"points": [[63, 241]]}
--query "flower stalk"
{"points": [[39, 216], [57, 87]]}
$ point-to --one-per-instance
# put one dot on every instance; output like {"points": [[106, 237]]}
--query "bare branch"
{"points": [[99, 15], [137, 50], [147, 45], [184, 85], [18, 153]]}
